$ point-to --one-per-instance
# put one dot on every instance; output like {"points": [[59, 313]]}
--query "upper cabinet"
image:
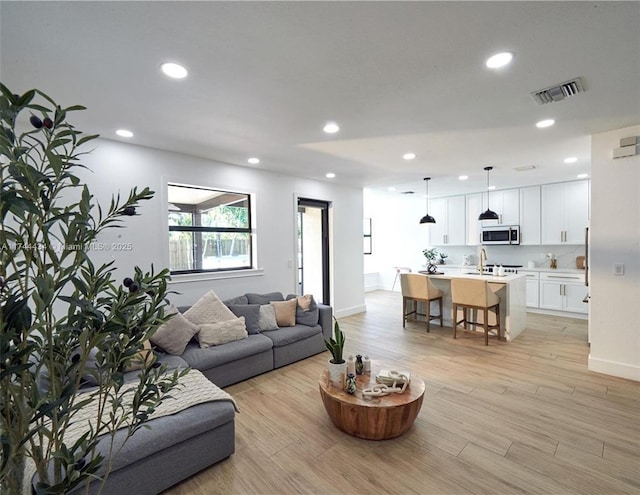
{"points": [[474, 226], [565, 212], [450, 226], [530, 215], [505, 203]]}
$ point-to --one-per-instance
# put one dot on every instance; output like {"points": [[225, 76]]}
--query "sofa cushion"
{"points": [[222, 332], [174, 335], [289, 335], [285, 312], [204, 359], [236, 300], [264, 298], [308, 316], [209, 309], [141, 359], [251, 313], [267, 319]]}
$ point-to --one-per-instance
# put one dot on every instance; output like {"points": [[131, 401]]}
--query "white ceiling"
{"points": [[397, 76]]}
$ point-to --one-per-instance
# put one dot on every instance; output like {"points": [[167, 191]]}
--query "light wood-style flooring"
{"points": [[519, 417]]}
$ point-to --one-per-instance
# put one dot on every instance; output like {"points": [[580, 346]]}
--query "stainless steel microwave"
{"points": [[500, 234]]}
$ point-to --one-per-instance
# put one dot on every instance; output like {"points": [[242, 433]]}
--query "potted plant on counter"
{"points": [[443, 257], [432, 256], [337, 364]]}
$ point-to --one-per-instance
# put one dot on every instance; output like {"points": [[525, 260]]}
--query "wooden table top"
{"points": [[414, 390]]}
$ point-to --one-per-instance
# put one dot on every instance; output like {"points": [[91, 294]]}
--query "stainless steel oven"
{"points": [[500, 234]]}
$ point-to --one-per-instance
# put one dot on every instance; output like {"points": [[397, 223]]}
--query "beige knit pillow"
{"points": [[285, 312], [174, 335], [209, 309], [222, 332]]}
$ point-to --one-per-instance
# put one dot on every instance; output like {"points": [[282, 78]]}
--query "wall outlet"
{"points": [[618, 268]]}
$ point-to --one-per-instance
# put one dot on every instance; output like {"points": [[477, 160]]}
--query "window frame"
{"points": [[200, 229]]}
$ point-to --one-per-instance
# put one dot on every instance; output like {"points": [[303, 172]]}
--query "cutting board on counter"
{"points": [[580, 262]]}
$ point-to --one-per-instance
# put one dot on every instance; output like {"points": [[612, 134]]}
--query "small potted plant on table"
{"points": [[337, 365]]}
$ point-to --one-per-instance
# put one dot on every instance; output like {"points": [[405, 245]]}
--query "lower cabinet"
{"points": [[563, 292], [533, 286]]}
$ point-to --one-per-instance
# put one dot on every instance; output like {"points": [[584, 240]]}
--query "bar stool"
{"points": [[474, 295], [416, 287]]}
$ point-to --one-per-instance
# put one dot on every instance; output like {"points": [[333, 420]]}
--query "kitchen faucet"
{"points": [[483, 255]]}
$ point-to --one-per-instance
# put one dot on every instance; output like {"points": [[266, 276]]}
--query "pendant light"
{"points": [[488, 215], [427, 218]]}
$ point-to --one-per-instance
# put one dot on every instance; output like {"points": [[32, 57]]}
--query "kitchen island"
{"points": [[511, 289]]}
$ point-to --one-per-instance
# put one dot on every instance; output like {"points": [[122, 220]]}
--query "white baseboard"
{"points": [[613, 368], [350, 311], [566, 314]]}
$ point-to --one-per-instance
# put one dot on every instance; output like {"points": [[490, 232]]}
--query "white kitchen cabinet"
{"points": [[450, 226], [530, 215], [565, 212], [474, 226], [562, 292], [533, 287], [505, 203]]}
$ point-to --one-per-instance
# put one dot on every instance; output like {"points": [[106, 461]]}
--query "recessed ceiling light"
{"points": [[463, 177], [582, 176], [174, 70], [545, 123], [330, 175], [124, 133], [491, 188], [331, 128], [571, 159], [499, 60], [391, 188], [409, 156], [254, 160]]}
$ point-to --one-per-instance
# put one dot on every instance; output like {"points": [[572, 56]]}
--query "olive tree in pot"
{"points": [[337, 364], [64, 320]]}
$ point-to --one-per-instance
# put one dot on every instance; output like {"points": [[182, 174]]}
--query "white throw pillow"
{"points": [[267, 319], [209, 309], [222, 332]]}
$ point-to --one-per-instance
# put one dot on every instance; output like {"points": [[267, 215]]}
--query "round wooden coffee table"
{"points": [[377, 418]]}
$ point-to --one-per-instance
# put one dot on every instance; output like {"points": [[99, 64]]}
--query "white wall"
{"points": [[398, 238], [117, 167], [615, 238]]}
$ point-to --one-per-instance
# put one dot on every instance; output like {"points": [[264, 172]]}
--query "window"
{"points": [[209, 230]]}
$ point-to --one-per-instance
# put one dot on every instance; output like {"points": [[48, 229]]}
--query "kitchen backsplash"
{"points": [[516, 255]]}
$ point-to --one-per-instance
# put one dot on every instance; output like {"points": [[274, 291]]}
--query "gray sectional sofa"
{"points": [[180, 445]]}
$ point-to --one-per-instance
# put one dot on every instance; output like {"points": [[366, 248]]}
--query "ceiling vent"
{"points": [[524, 168], [558, 92]]}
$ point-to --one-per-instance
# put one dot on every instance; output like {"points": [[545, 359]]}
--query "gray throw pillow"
{"points": [[251, 313], [267, 319], [308, 317], [237, 300], [264, 298]]}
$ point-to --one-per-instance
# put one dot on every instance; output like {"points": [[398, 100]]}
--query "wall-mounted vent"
{"points": [[524, 168], [558, 92]]}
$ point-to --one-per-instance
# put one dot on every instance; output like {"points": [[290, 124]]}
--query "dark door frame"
{"points": [[324, 207]]}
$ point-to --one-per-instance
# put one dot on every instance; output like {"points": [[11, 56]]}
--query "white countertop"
{"points": [[490, 278], [523, 269]]}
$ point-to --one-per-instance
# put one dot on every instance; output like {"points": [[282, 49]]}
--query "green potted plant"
{"points": [[60, 312], [443, 257], [431, 255], [337, 364]]}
